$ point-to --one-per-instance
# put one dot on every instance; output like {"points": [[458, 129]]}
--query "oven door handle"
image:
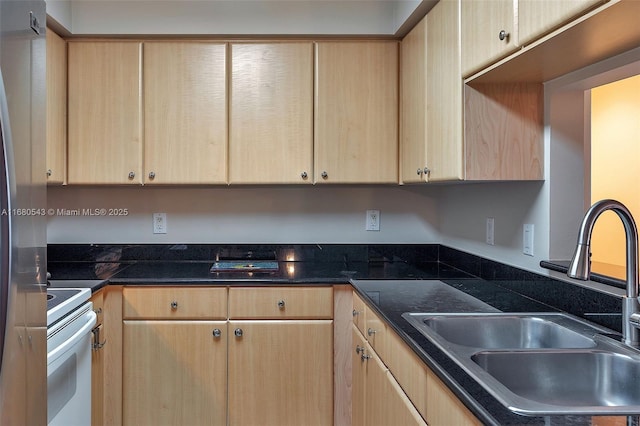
{"points": [[90, 317]]}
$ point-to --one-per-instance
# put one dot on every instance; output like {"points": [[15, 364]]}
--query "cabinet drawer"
{"points": [[281, 302], [175, 302], [376, 334], [358, 313]]}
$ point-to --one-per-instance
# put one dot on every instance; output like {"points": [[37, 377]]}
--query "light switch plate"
{"points": [[527, 239], [490, 237]]}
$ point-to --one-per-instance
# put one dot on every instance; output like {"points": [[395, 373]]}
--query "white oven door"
{"points": [[69, 369]]}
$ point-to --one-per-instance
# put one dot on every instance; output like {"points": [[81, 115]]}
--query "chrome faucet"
{"points": [[580, 267]]}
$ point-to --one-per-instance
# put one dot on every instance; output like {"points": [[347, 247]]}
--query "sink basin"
{"points": [[505, 331], [539, 363], [580, 379]]}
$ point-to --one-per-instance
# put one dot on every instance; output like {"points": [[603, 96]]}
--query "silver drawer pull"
{"points": [[217, 332], [281, 304], [371, 331], [238, 332], [97, 344], [355, 313], [174, 305]]}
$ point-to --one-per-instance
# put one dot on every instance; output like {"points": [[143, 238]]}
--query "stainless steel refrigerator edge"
{"points": [[23, 330]]}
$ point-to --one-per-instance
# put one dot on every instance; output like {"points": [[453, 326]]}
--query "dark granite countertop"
{"points": [[390, 277]]}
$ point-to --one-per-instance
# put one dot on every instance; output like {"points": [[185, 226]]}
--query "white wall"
{"points": [[60, 11], [463, 211], [291, 214], [242, 17]]}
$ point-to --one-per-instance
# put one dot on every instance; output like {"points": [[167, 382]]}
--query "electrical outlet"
{"points": [[373, 220], [159, 223], [527, 239], [490, 237]]}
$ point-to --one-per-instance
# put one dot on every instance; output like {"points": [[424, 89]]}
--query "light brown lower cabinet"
{"points": [[97, 362], [377, 398], [189, 361], [281, 373], [260, 358], [417, 395], [175, 372]]}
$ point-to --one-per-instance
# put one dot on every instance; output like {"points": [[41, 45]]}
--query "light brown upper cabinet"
{"points": [[56, 109], [536, 17], [488, 32], [271, 113], [445, 147], [413, 104], [356, 112], [185, 112], [431, 105], [105, 126]]}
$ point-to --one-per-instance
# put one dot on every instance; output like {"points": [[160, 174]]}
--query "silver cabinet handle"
{"points": [[426, 170], [97, 344], [238, 332], [281, 304], [364, 357], [174, 305], [132, 175], [324, 175], [152, 175], [355, 313], [217, 332], [359, 349], [371, 331], [419, 172], [503, 35], [303, 175], [49, 172]]}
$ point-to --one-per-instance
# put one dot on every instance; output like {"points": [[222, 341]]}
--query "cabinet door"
{"points": [[413, 104], [281, 373], [271, 113], [445, 144], [385, 402], [97, 363], [105, 131], [410, 372], [488, 32], [175, 373], [537, 17], [358, 377], [444, 408], [356, 112], [185, 112], [56, 108]]}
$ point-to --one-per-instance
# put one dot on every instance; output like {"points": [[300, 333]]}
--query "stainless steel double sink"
{"points": [[540, 363]]}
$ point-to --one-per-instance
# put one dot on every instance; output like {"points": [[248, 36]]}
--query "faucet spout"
{"points": [[580, 267]]}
